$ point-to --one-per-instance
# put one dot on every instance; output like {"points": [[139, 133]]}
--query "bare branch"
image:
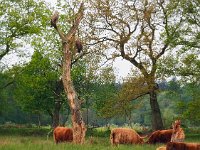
{"points": [[6, 51], [54, 21], [79, 57], [162, 51], [103, 39], [73, 29], [6, 85]]}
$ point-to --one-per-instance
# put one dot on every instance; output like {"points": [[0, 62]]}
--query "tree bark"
{"points": [[77, 121], [56, 114], [39, 120], [157, 123], [58, 103], [68, 51]]}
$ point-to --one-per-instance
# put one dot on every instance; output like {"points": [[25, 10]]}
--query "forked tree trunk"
{"points": [[67, 41], [77, 120]]}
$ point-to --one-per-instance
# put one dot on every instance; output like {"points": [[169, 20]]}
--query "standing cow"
{"points": [[62, 134], [125, 136]]}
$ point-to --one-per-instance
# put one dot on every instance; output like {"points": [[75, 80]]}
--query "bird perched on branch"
{"points": [[54, 19], [79, 45]]}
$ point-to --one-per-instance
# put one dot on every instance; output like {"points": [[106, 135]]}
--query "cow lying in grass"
{"points": [[125, 136], [178, 134], [182, 146], [62, 134], [163, 136], [161, 148], [160, 136]]}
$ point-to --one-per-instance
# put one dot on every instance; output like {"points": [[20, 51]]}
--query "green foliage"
{"points": [[20, 19], [3, 82], [180, 101], [36, 85], [121, 101], [98, 132], [190, 105], [23, 131], [190, 69]]}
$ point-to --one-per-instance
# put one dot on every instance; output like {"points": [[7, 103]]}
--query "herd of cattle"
{"points": [[172, 138]]}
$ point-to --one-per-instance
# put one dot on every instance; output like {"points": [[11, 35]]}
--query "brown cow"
{"points": [[63, 134], [178, 134], [164, 136], [161, 148], [125, 136], [182, 146], [160, 136]]}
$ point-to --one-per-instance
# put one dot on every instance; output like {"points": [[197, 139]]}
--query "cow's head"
{"points": [[176, 124]]}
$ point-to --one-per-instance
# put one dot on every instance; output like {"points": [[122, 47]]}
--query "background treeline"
{"points": [[23, 103]]}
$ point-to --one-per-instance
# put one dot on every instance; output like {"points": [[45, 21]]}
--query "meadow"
{"points": [[96, 139]]}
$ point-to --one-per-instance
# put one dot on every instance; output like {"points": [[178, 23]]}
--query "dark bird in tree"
{"points": [[79, 45], [54, 19]]}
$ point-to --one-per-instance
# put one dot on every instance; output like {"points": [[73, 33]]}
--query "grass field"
{"points": [[36, 139]]}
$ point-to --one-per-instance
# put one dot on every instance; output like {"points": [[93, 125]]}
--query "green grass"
{"points": [[40, 143], [36, 139]]}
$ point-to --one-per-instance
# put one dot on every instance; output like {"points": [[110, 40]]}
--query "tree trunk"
{"points": [[77, 120], [51, 115], [58, 103], [56, 114], [157, 123], [87, 117], [39, 120]]}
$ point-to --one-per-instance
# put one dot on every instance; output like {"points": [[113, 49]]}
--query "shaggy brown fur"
{"points": [[161, 148], [178, 134], [63, 134], [125, 136], [54, 19], [182, 146], [160, 136], [79, 45], [163, 136]]}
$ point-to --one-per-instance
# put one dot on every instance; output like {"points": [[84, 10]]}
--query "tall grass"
{"points": [[40, 143]]}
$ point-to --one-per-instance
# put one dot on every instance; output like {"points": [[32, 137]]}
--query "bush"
{"points": [[98, 132], [23, 131]]}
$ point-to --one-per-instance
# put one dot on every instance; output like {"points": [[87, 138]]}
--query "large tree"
{"points": [[139, 32]]}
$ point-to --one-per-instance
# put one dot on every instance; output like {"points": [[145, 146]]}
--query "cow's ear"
{"points": [[172, 125], [179, 121]]}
